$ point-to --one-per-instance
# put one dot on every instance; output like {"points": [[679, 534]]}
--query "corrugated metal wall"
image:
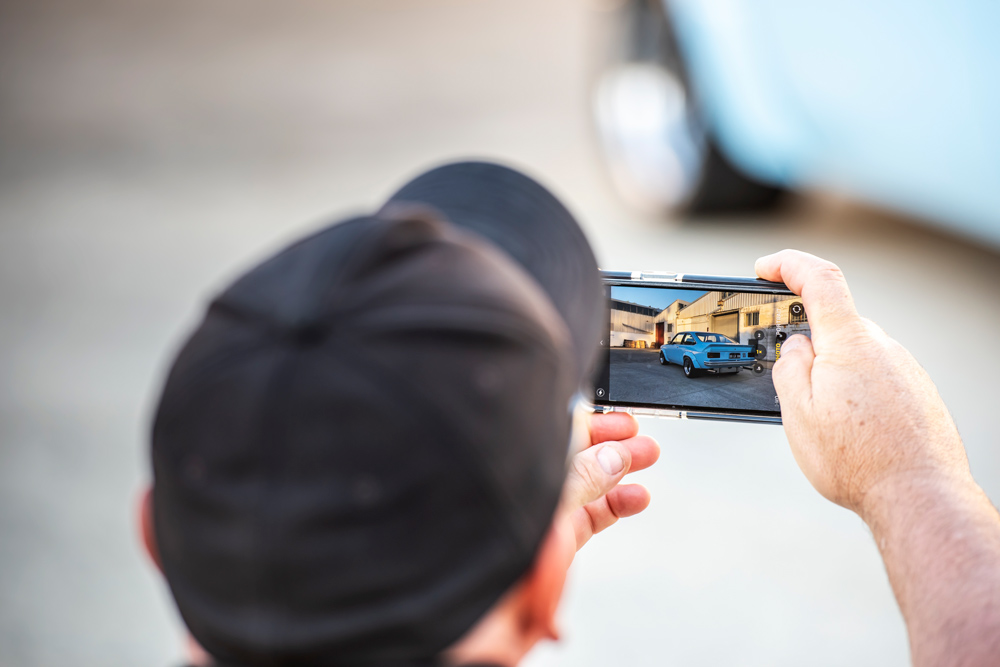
{"points": [[701, 306], [631, 322], [744, 299], [669, 314]]}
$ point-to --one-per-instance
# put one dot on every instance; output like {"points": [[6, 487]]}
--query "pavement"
{"points": [[150, 151], [638, 376]]}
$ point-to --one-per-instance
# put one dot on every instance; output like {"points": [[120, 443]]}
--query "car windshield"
{"points": [[714, 338]]}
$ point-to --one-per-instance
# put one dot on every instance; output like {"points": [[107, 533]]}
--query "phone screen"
{"points": [[695, 349]]}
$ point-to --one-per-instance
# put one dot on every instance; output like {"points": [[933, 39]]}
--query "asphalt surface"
{"points": [[150, 151], [637, 375]]}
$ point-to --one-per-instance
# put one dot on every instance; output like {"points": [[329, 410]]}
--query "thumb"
{"points": [[593, 472], [792, 373]]}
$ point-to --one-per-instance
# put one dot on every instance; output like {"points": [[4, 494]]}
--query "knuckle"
{"points": [[780, 371], [589, 475], [826, 270], [872, 328]]}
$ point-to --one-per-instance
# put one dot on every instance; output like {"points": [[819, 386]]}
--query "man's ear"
{"points": [[542, 588], [146, 526]]}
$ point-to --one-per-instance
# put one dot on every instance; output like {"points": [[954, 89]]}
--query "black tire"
{"points": [[643, 34], [663, 359], [723, 188], [689, 370]]}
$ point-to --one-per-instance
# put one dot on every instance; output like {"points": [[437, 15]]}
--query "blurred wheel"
{"points": [[657, 149], [689, 370], [663, 359]]}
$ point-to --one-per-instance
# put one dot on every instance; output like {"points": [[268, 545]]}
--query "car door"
{"points": [[668, 348], [670, 352], [689, 346]]}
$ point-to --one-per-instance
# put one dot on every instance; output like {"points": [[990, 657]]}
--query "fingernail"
{"points": [[611, 461]]}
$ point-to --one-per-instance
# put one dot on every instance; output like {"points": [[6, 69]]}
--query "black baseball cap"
{"points": [[362, 445]]}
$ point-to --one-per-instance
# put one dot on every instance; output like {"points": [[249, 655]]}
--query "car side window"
{"points": [[676, 340], [688, 339]]}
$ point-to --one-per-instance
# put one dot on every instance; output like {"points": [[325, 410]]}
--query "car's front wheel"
{"points": [[654, 132], [663, 359], [689, 369]]}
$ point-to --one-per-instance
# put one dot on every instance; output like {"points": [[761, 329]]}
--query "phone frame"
{"points": [[687, 281]]}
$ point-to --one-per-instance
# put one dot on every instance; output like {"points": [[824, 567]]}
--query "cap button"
{"points": [[308, 335]]}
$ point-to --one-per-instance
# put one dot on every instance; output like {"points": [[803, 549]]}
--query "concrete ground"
{"points": [[638, 376], [149, 151]]}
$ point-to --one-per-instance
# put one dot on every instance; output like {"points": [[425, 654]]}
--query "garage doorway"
{"points": [[659, 333], [727, 324]]}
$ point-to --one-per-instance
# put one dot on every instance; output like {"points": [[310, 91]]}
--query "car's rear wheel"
{"points": [[663, 359], [689, 369]]}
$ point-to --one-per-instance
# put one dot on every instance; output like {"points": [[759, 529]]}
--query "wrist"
{"points": [[911, 493], [939, 537]]}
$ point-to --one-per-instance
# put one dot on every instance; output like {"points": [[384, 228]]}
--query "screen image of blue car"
{"points": [[694, 349]]}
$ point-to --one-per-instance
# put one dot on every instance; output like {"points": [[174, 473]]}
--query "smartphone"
{"points": [[694, 346]]}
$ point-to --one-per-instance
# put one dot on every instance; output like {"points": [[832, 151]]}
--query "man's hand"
{"points": [[869, 430], [858, 409], [592, 498]]}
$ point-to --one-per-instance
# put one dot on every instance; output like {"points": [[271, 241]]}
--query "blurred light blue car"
{"points": [[697, 351], [895, 102]]}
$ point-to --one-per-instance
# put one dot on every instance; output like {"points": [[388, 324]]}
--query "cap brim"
{"points": [[520, 216]]}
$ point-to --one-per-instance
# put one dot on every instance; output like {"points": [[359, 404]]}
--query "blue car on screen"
{"points": [[698, 351]]}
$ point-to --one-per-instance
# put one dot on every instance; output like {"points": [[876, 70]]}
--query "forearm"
{"points": [[940, 540]]}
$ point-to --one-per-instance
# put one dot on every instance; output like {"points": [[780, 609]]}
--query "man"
{"points": [[359, 455]]}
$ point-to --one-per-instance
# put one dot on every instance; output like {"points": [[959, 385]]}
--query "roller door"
{"points": [[728, 325]]}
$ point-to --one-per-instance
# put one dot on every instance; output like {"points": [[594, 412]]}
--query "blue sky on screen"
{"points": [[655, 297]]}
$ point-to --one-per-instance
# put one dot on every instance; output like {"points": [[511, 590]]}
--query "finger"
{"points": [[621, 502], [628, 499], [593, 472], [821, 284], [644, 451], [583, 525], [792, 374], [612, 426], [599, 517]]}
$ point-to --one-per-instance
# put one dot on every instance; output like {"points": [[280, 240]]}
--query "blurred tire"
{"points": [[658, 152]]}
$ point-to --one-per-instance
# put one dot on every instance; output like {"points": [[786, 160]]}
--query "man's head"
{"points": [[361, 448]]}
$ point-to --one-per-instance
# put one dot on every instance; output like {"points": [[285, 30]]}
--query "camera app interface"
{"points": [[694, 349]]}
